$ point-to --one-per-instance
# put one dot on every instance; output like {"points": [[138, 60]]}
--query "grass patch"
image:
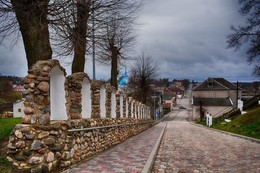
{"points": [[247, 124], [201, 122], [6, 127], [6, 166]]}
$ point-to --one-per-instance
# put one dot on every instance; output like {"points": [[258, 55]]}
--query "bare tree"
{"points": [[115, 45], [249, 33], [69, 25], [117, 36], [33, 24], [8, 24], [73, 26], [143, 72], [69, 21]]}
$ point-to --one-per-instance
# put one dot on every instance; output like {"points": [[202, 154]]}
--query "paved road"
{"points": [[127, 157], [187, 148]]}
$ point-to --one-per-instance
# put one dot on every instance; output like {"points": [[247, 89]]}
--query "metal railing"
{"points": [[110, 126]]}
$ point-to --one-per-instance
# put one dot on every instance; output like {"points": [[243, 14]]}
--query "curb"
{"points": [[148, 165], [229, 133]]}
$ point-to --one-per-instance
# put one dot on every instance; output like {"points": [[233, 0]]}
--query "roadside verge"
{"points": [[229, 133]]}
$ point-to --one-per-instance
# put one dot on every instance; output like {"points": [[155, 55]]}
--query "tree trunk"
{"points": [[80, 33], [114, 69], [32, 18], [144, 90]]}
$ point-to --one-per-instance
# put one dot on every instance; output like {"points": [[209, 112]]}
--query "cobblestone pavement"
{"points": [[128, 157], [186, 148]]}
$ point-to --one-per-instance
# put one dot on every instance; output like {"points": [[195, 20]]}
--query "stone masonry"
{"points": [[73, 87], [37, 101], [45, 142]]}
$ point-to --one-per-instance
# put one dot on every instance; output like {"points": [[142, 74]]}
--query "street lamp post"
{"points": [[93, 43], [154, 115]]}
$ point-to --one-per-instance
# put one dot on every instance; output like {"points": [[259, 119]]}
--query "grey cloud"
{"points": [[186, 37], [12, 60], [189, 38]]}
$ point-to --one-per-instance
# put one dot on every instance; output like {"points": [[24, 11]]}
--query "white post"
{"points": [[210, 120], [240, 105], [139, 111], [139, 108], [132, 108], [142, 111], [121, 106], [146, 112], [102, 102], [207, 119], [126, 108], [113, 105]]}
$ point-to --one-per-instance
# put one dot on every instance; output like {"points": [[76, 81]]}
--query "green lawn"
{"points": [[6, 127], [247, 124]]}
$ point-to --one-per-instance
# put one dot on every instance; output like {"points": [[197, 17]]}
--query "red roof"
{"points": [[173, 90], [18, 87], [167, 105]]}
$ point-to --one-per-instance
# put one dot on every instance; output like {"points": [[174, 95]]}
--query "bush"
{"points": [[166, 111]]}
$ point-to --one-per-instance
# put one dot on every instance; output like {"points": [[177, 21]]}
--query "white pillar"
{"points": [[86, 99], [121, 106], [136, 116], [102, 102], [57, 95], [126, 108], [113, 105], [132, 109]]}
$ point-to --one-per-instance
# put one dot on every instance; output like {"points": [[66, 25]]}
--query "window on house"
{"points": [[210, 83], [19, 110]]}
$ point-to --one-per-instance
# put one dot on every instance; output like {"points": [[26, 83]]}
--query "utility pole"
{"points": [[154, 105], [93, 42], [201, 111], [237, 96]]}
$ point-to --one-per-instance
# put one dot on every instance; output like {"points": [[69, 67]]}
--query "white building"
{"points": [[18, 108], [215, 96]]}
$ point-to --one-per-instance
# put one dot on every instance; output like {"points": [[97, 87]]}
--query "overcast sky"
{"points": [[186, 37]]}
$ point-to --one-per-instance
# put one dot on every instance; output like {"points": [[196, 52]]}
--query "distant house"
{"points": [[168, 101], [215, 96], [18, 108], [159, 89], [175, 91], [18, 88], [194, 85]]}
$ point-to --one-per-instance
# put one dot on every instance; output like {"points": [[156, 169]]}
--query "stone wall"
{"points": [[63, 144], [37, 95], [73, 86], [69, 119]]}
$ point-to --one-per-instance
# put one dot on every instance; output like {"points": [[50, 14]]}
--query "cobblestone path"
{"points": [[187, 148]]}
